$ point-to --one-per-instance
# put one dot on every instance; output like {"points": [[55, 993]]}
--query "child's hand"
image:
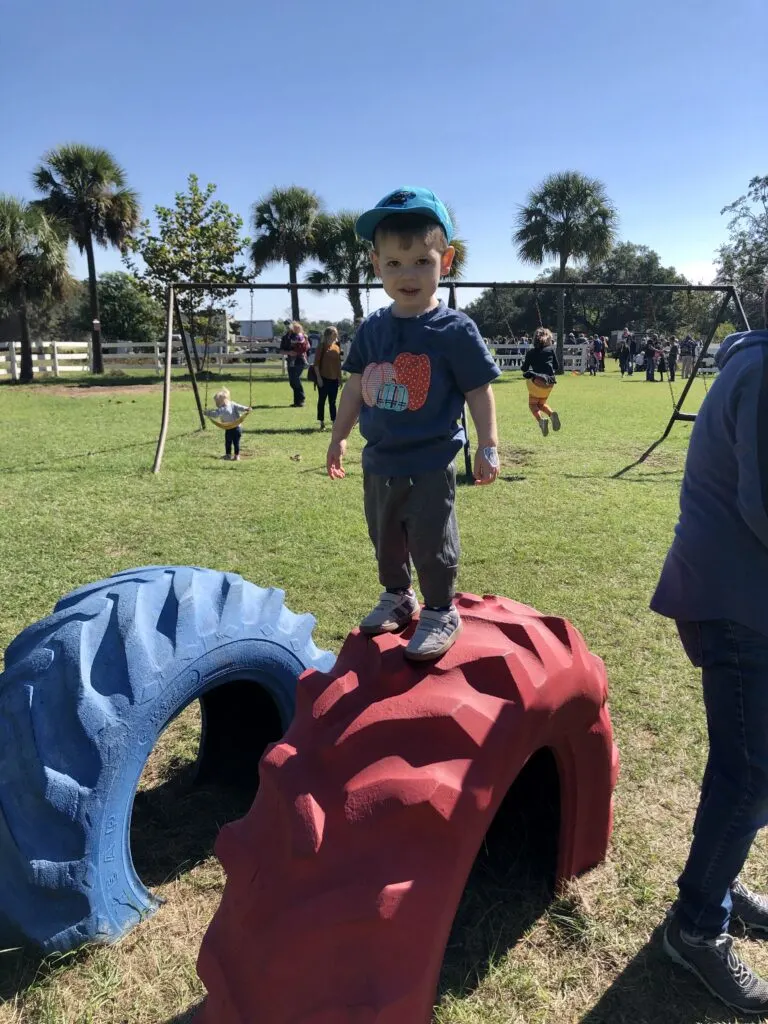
{"points": [[333, 462], [487, 466]]}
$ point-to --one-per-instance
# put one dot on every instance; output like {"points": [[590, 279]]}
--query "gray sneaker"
{"points": [[749, 907], [718, 967], [556, 424], [544, 426], [391, 614], [435, 634]]}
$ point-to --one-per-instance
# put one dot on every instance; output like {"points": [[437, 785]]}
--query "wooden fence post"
{"points": [[55, 357], [12, 360]]}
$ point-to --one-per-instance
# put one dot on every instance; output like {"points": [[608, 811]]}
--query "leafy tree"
{"points": [[198, 239], [283, 227], [85, 190], [33, 265], [743, 260], [129, 312], [568, 216]]}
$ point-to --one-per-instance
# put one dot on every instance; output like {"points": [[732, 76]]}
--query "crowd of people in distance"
{"points": [[656, 354]]}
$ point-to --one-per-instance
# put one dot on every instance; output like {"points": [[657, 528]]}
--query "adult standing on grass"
{"points": [[715, 585], [327, 374], [687, 352], [296, 346], [674, 352]]}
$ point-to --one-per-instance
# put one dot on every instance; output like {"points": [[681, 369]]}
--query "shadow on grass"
{"points": [[651, 989], [511, 883], [175, 824], [49, 461], [23, 969], [187, 1017]]}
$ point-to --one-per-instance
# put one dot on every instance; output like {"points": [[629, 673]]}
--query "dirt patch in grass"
{"points": [[86, 390]]}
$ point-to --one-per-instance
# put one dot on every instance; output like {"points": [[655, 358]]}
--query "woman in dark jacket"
{"points": [[539, 368]]}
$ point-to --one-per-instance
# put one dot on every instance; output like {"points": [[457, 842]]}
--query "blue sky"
{"points": [[663, 100]]}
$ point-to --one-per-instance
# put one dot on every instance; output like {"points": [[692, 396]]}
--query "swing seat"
{"points": [[228, 426]]}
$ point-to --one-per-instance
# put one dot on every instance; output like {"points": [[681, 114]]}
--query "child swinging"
{"points": [[539, 368], [228, 415]]}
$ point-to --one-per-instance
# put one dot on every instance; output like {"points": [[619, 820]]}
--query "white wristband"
{"points": [[491, 456]]}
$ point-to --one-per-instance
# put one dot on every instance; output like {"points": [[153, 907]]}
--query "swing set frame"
{"points": [[173, 312]]}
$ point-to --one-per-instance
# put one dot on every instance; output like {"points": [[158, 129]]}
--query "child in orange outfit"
{"points": [[539, 368]]}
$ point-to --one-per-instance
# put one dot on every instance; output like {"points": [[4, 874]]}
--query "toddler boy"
{"points": [[412, 366]]}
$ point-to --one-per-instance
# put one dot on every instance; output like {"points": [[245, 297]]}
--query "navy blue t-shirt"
{"points": [[415, 372]]}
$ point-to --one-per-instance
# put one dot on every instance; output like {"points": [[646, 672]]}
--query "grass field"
{"points": [[78, 502]]}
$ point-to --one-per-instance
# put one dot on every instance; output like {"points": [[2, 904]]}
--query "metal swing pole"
{"points": [[188, 357], [467, 450], [166, 384], [686, 417]]}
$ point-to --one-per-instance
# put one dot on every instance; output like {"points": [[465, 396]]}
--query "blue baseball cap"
{"points": [[405, 200]]}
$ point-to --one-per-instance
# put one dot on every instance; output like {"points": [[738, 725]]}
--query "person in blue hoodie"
{"points": [[714, 584]]}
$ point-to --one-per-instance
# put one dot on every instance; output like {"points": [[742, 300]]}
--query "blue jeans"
{"points": [[232, 440], [734, 793], [295, 371]]}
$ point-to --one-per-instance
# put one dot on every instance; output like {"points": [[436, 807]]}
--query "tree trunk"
{"points": [[93, 292], [561, 312], [26, 375], [293, 277], [355, 300]]}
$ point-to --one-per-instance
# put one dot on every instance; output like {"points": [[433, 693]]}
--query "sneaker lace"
{"points": [[738, 970]]}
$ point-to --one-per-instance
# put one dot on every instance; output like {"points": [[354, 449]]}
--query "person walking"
{"points": [[674, 352], [649, 352], [687, 352], [327, 366], [714, 584]]}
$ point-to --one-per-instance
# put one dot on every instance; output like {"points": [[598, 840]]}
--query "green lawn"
{"points": [[78, 502]]}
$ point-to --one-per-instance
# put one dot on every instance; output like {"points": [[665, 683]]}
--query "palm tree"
{"points": [[85, 189], [344, 255], [347, 258], [568, 215], [33, 265], [283, 225]]}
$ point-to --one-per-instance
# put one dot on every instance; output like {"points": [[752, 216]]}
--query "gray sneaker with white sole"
{"points": [[718, 967], [544, 426], [391, 614], [749, 907], [556, 424], [435, 634]]}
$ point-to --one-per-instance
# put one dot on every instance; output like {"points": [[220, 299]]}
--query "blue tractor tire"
{"points": [[84, 697]]}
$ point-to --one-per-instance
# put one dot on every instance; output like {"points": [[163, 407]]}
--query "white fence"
{"points": [[510, 357], [50, 357], [56, 358]]}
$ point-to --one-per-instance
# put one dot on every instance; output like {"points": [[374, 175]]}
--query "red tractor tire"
{"points": [[345, 876]]}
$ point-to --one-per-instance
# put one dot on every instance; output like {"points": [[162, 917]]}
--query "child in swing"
{"points": [[227, 411], [412, 367], [539, 368]]}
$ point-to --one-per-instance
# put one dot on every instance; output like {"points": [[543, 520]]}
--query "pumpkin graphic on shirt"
{"points": [[415, 372], [397, 386], [392, 396], [375, 376]]}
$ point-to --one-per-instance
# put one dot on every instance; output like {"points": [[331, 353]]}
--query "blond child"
{"points": [[229, 412]]}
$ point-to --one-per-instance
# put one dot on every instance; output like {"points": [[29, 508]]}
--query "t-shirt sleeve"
{"points": [[472, 364], [356, 360], [239, 409]]}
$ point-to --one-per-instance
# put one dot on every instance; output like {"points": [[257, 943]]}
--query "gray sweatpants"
{"points": [[413, 518]]}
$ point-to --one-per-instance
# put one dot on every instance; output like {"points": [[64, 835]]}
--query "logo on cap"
{"points": [[399, 198]]}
